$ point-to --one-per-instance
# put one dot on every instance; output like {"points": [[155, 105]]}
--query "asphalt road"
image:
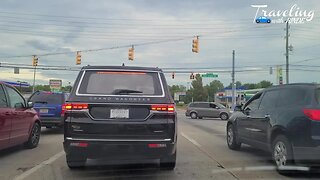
{"points": [[202, 154]]}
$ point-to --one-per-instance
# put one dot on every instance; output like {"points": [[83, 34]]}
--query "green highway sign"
{"points": [[211, 75]]}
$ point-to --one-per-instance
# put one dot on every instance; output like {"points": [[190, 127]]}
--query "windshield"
{"points": [[159, 89]]}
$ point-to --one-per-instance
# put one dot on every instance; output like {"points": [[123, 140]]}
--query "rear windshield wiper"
{"points": [[41, 102], [125, 91]]}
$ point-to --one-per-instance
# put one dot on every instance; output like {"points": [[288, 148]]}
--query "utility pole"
{"points": [[35, 64], [287, 51], [233, 82]]}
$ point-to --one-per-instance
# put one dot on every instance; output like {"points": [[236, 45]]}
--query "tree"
{"points": [[176, 88], [262, 84], [198, 91], [265, 84], [250, 86], [66, 88], [213, 87], [238, 84]]}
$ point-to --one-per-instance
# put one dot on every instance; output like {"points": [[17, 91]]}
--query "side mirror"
{"points": [[29, 104]]}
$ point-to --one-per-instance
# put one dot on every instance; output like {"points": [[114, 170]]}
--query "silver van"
{"points": [[207, 109]]}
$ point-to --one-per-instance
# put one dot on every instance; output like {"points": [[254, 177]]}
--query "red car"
{"points": [[19, 123]]}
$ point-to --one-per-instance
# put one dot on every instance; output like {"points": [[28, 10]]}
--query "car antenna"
{"points": [[122, 64]]}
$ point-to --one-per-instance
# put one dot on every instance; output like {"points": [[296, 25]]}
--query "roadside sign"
{"points": [[209, 75], [55, 84]]}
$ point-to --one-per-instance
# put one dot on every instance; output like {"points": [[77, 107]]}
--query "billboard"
{"points": [[55, 84]]}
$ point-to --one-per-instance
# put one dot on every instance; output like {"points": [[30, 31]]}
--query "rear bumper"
{"points": [[119, 151], [307, 155], [51, 121]]}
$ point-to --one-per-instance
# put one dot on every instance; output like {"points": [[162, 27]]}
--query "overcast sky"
{"points": [[41, 26]]}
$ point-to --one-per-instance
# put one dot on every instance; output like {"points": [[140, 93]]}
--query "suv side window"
{"points": [[292, 97], [204, 105], [191, 105], [213, 105], [269, 100], [3, 99], [253, 104], [16, 101]]}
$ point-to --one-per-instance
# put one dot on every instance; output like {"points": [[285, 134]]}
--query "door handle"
{"points": [[248, 116], [267, 116]]}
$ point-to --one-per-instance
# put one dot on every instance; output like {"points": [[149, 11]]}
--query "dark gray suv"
{"points": [[120, 114], [207, 109]]}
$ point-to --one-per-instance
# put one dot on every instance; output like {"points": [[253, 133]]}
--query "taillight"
{"points": [[74, 106], [313, 114], [163, 107], [157, 145], [63, 109]]}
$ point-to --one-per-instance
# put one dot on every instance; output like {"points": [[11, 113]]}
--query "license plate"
{"points": [[44, 111], [119, 113]]}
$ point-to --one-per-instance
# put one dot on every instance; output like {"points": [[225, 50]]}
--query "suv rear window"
{"points": [[47, 98], [120, 83]]}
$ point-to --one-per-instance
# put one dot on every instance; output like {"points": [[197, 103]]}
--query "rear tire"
{"points": [[194, 115], [168, 163], [232, 138], [224, 116], [34, 136], [282, 154]]}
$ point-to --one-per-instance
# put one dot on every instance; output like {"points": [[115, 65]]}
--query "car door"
{"points": [[21, 119], [244, 123], [204, 109], [214, 110], [5, 119], [262, 116]]}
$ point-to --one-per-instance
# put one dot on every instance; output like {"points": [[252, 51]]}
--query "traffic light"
{"points": [[192, 76], [173, 75], [131, 53], [78, 58], [34, 61], [195, 45]]}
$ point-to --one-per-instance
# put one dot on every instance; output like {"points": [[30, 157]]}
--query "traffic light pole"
{"points": [[34, 78], [233, 82]]}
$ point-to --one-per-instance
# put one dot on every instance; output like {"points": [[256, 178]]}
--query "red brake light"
{"points": [[313, 114], [163, 107], [74, 106]]}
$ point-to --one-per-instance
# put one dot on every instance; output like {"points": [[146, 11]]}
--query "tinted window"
{"points": [[15, 99], [108, 83], [269, 100], [253, 104], [3, 99], [213, 105], [292, 97], [47, 98], [191, 105], [203, 105]]}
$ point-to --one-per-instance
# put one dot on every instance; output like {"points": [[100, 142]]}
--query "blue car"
{"points": [[49, 106], [263, 19]]}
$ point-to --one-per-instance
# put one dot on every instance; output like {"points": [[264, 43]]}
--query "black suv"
{"points": [[285, 120], [120, 114]]}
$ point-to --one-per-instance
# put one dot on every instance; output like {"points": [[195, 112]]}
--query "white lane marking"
{"points": [[190, 139], [37, 167]]}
